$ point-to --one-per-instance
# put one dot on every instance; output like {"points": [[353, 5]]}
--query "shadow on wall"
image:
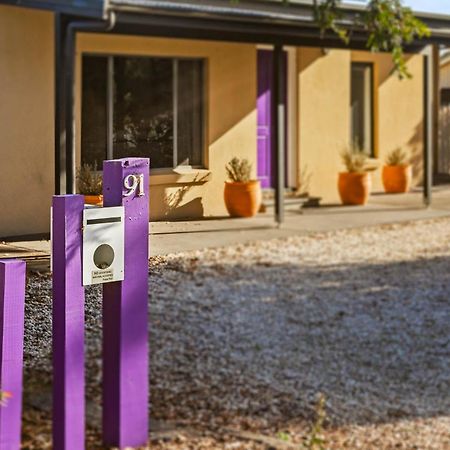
{"points": [[386, 68], [174, 203], [415, 143], [230, 130], [416, 140], [304, 181]]}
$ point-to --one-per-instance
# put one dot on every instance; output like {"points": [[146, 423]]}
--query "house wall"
{"points": [[26, 120], [231, 118], [444, 75], [323, 119], [324, 115], [400, 113]]}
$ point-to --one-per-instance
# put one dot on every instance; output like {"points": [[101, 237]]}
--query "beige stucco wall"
{"points": [[444, 74], [400, 112], [323, 119], [324, 115], [26, 120], [231, 118]]}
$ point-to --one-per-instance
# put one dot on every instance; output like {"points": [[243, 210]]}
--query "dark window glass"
{"points": [[362, 107], [143, 109], [93, 114], [190, 102], [157, 109]]}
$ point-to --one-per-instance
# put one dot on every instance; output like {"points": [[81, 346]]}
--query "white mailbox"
{"points": [[103, 245]]}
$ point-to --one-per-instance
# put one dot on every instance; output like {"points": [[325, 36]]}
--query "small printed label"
{"points": [[102, 276]]}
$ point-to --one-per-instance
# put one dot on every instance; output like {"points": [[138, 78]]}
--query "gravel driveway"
{"points": [[246, 337]]}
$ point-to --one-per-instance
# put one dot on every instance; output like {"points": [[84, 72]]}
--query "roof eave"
{"points": [[96, 12], [299, 13]]}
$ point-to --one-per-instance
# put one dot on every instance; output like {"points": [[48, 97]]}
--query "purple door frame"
{"points": [[264, 120]]}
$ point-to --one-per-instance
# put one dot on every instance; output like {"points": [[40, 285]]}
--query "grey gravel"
{"points": [[247, 336]]}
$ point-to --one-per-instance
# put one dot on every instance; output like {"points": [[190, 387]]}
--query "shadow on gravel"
{"points": [[257, 343], [253, 345]]}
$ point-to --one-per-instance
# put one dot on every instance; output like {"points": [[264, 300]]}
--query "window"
{"points": [[362, 107], [142, 107]]}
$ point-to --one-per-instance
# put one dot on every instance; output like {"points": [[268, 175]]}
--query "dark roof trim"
{"points": [[80, 8], [255, 10], [278, 7], [224, 9], [294, 13], [285, 24], [233, 31]]}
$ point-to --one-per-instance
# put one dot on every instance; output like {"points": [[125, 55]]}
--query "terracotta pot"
{"points": [[397, 179], [242, 199], [354, 187], [93, 199]]}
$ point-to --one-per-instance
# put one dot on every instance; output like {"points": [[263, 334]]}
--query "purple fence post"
{"points": [[68, 323], [125, 316], [12, 310]]}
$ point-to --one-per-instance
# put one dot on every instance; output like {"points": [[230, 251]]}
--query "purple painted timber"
{"points": [[68, 324], [125, 316], [12, 306], [265, 76], [264, 118]]}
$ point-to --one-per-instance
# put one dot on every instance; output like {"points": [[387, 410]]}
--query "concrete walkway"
{"points": [[170, 237]]}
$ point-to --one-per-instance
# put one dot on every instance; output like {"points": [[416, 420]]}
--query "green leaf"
{"points": [[389, 24]]}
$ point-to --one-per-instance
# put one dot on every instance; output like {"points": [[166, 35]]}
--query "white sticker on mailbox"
{"points": [[102, 276]]}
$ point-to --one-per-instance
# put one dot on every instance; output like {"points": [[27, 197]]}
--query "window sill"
{"points": [[180, 175], [373, 163]]}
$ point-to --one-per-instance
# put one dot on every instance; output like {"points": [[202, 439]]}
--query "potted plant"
{"points": [[242, 194], [90, 184], [397, 173], [355, 184]]}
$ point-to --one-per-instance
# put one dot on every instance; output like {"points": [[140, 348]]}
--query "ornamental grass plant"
{"points": [[89, 180], [354, 159], [397, 157]]}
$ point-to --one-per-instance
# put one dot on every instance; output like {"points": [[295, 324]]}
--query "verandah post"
{"points": [[68, 324], [278, 126], [12, 310], [125, 315]]}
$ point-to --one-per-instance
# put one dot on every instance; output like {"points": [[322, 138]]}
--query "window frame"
{"points": [[371, 66], [110, 104]]}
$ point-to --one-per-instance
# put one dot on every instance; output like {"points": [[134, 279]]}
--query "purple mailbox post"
{"points": [[68, 323], [125, 315], [12, 307]]}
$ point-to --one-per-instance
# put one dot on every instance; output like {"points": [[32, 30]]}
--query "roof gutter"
{"points": [[298, 13], [294, 13]]}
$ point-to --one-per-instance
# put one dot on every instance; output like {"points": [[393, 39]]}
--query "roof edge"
{"points": [[81, 10]]}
